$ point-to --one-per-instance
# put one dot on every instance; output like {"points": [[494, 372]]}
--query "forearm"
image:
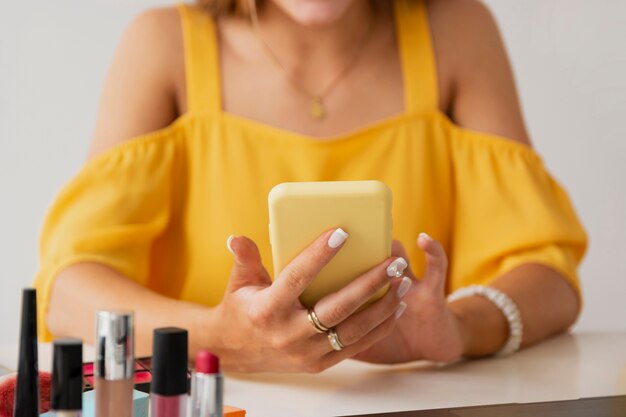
{"points": [[547, 303], [82, 289]]}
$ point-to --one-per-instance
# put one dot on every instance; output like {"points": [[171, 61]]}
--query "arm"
{"points": [[436, 330], [139, 96], [547, 303], [100, 288], [259, 326], [484, 98], [477, 90]]}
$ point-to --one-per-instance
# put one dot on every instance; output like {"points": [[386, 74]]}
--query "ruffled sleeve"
{"points": [[508, 211], [110, 213]]}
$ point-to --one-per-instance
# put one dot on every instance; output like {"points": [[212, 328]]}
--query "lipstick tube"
{"points": [[168, 390], [114, 367], [66, 395], [207, 387]]}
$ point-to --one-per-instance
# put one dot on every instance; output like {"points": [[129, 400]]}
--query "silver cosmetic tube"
{"points": [[114, 367], [207, 395]]}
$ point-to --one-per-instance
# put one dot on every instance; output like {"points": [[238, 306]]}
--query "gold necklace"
{"points": [[317, 109]]}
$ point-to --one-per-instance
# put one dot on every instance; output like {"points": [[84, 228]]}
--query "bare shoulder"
{"points": [[461, 10], [463, 29], [476, 77], [163, 19], [142, 91]]}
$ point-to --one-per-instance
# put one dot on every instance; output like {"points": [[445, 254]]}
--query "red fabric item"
{"points": [[7, 393]]}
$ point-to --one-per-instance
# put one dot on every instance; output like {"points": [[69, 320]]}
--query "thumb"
{"points": [[436, 262], [248, 269]]}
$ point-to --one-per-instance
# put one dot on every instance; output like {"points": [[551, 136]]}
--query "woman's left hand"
{"points": [[428, 329]]}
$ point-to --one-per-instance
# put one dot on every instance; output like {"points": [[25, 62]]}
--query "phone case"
{"points": [[300, 212]]}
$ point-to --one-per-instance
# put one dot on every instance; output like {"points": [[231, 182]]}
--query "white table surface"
{"points": [[567, 367]]}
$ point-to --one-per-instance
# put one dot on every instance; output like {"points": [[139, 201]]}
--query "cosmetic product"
{"points": [[207, 387], [114, 365], [168, 392], [233, 412], [27, 386], [140, 404], [142, 376], [66, 398]]}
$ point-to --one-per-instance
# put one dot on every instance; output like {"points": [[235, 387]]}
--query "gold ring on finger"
{"points": [[333, 337], [315, 322]]}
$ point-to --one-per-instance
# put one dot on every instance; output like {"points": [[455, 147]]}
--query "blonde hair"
{"points": [[227, 7]]}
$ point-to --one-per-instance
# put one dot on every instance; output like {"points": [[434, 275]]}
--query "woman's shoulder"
{"points": [[145, 82], [462, 27], [476, 80]]}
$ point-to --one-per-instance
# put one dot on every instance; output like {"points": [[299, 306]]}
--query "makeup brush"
{"points": [[7, 393]]}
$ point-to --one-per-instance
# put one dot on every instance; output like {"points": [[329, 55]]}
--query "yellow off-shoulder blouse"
{"points": [[159, 208]]}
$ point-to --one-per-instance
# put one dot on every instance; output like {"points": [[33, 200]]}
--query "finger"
{"points": [[335, 308], [376, 335], [436, 261], [362, 323], [397, 249], [248, 268], [299, 273]]}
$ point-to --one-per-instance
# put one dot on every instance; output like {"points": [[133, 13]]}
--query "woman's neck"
{"points": [[299, 46]]}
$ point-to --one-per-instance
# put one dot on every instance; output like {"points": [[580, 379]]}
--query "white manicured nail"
{"points": [[228, 242], [400, 310], [404, 286], [337, 238], [427, 237], [396, 268]]}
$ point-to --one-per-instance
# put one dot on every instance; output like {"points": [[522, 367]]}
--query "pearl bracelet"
{"points": [[506, 305]]}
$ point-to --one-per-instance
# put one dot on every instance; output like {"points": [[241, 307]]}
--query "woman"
{"points": [[207, 107]]}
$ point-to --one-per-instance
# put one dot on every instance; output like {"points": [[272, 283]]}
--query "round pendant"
{"points": [[317, 110]]}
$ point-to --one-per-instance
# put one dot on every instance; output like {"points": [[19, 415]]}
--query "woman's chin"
{"points": [[315, 12]]}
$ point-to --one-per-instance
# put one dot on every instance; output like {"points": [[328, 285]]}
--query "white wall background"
{"points": [[569, 57]]}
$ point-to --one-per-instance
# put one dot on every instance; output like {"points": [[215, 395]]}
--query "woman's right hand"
{"points": [[263, 326]]}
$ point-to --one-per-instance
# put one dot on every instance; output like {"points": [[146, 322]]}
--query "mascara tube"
{"points": [[207, 387], [27, 388], [66, 396], [114, 367]]}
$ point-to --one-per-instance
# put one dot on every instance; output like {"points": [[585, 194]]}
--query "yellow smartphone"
{"points": [[301, 211]]}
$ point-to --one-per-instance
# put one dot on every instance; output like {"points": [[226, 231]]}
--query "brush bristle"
{"points": [[7, 393]]}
